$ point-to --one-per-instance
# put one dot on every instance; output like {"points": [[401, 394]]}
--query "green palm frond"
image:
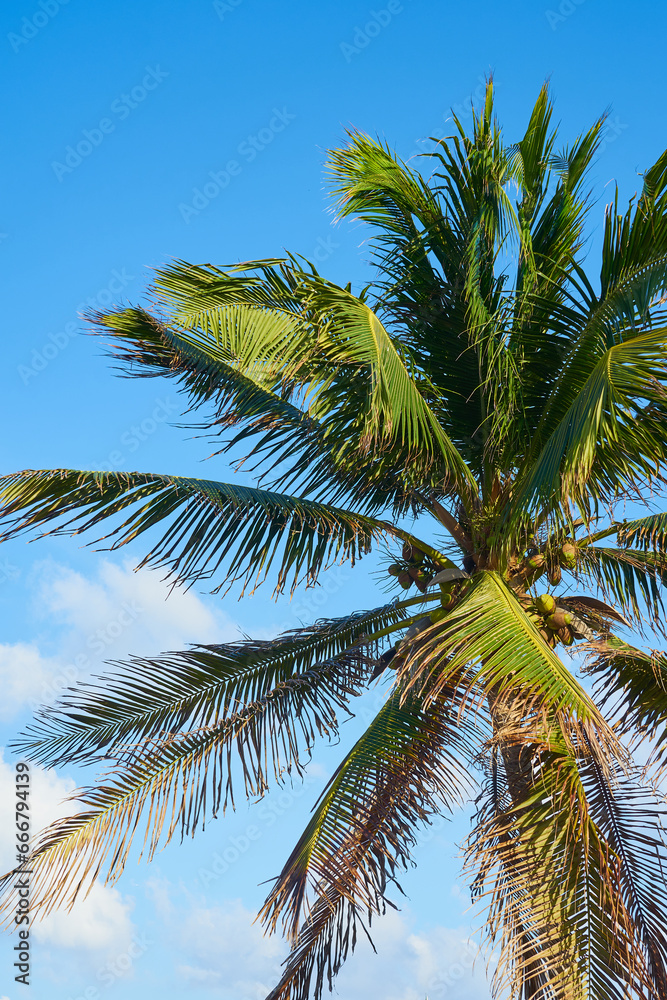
{"points": [[609, 439], [410, 764], [633, 240], [586, 326], [499, 651], [630, 578], [209, 523], [327, 344], [290, 448], [422, 250], [289, 688], [632, 684], [645, 532]]}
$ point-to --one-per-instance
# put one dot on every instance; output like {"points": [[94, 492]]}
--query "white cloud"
{"points": [[157, 889], [47, 791], [122, 611], [101, 922], [113, 614], [438, 962], [222, 948], [25, 677]]}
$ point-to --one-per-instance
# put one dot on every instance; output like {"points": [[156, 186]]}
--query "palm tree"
{"points": [[481, 404]]}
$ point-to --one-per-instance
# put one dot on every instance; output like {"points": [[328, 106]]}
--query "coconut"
{"points": [[419, 576], [565, 636], [536, 561], [437, 615], [394, 569], [568, 555], [405, 580], [412, 554], [558, 620], [545, 604], [555, 576]]}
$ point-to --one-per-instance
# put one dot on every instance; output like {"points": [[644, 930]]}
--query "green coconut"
{"points": [[568, 555], [394, 569], [545, 604], [405, 580], [437, 615], [559, 620], [536, 561]]}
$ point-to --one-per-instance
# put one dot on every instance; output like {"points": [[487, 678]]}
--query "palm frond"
{"points": [[210, 524], [498, 649], [567, 867], [639, 236], [288, 690], [325, 343], [631, 578], [609, 439], [645, 532], [587, 326], [632, 685], [410, 764], [177, 728], [290, 447]]}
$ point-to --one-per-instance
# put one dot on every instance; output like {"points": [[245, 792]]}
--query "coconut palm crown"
{"points": [[484, 411]]}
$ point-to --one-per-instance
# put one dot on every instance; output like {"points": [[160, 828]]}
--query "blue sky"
{"points": [[136, 133]]}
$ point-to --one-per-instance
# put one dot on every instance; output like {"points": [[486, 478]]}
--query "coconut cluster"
{"points": [[535, 563], [411, 570], [556, 623]]}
